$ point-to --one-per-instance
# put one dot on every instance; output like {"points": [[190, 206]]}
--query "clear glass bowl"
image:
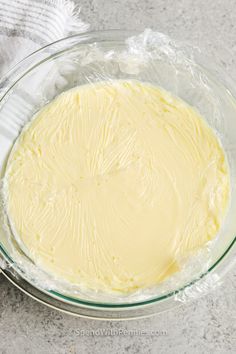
{"points": [[150, 57]]}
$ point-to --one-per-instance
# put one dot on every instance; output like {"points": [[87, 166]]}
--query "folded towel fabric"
{"points": [[26, 25]]}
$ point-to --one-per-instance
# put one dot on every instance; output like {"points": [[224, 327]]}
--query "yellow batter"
{"points": [[112, 183]]}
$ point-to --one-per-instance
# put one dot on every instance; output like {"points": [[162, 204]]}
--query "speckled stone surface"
{"points": [[204, 326]]}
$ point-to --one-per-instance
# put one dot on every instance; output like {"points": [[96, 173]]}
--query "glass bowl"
{"points": [[97, 56]]}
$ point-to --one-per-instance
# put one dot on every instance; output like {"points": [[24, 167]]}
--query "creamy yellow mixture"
{"points": [[112, 183]]}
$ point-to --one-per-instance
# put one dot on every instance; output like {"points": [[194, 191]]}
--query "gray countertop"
{"points": [[203, 326]]}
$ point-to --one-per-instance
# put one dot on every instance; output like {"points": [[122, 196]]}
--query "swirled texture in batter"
{"points": [[111, 183]]}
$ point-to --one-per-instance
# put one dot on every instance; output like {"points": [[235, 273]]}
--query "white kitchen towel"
{"points": [[26, 25]]}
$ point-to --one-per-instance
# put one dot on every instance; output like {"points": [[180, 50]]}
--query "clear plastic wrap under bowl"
{"points": [[100, 56]]}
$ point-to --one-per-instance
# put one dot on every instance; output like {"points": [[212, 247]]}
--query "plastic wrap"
{"points": [[148, 57]]}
